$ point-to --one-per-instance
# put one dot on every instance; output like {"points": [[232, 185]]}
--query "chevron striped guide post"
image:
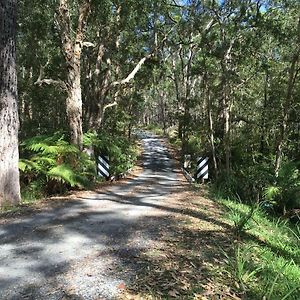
{"points": [[103, 166], [202, 168]]}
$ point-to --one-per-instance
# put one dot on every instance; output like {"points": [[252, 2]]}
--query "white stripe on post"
{"points": [[102, 171], [103, 166], [203, 162], [102, 161], [202, 168]]}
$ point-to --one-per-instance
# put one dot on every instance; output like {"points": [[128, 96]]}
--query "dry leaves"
{"points": [[186, 262]]}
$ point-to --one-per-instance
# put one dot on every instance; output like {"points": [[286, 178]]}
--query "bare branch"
{"points": [[110, 105], [58, 83], [132, 74], [208, 26], [115, 97], [138, 66], [88, 44], [41, 80]]}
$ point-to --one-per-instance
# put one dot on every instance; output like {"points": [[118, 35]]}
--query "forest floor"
{"points": [[150, 237]]}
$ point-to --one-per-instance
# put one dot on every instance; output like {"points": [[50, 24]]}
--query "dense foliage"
{"points": [[229, 89], [53, 165], [221, 77]]}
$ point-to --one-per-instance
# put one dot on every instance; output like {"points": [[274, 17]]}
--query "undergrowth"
{"points": [[264, 263], [49, 164]]}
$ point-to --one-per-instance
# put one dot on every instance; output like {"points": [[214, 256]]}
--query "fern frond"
{"points": [[66, 174], [28, 165]]}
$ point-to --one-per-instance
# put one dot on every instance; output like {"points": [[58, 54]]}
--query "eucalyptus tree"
{"points": [[291, 27], [9, 124], [128, 40], [71, 30]]}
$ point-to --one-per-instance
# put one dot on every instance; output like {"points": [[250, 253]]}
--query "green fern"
{"points": [[52, 159], [66, 174], [60, 165], [285, 193], [271, 192]]}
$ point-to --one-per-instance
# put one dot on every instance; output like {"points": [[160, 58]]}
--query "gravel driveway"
{"points": [[85, 248]]}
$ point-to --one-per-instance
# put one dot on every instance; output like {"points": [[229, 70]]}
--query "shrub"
{"points": [[285, 192], [51, 164], [122, 154], [247, 180]]}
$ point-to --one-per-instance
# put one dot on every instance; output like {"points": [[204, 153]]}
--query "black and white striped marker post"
{"points": [[103, 166], [202, 168]]}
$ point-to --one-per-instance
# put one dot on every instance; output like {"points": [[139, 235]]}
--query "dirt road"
{"points": [[85, 248]]}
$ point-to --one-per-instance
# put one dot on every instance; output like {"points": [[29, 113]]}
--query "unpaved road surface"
{"points": [[85, 247]]}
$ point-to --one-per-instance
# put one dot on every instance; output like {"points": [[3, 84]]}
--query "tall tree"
{"points": [[292, 76], [72, 39], [9, 154]]}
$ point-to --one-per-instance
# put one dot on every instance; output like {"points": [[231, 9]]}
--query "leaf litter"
{"points": [[187, 260]]}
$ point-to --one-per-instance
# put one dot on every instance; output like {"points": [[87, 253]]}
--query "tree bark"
{"points": [[9, 123], [72, 53], [263, 116], [74, 108], [211, 131], [227, 102], [227, 142]]}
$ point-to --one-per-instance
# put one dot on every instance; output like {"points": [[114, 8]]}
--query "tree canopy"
{"points": [[221, 78]]}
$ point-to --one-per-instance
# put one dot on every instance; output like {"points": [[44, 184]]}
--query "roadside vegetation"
{"points": [[264, 260], [220, 79], [50, 165]]}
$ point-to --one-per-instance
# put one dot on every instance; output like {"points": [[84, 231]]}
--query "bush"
{"points": [[122, 154], [50, 164], [257, 182], [285, 192], [247, 180]]}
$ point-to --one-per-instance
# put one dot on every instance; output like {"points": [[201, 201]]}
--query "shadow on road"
{"points": [[135, 235]]}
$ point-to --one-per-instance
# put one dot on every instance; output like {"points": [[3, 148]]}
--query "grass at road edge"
{"points": [[201, 256], [265, 260]]}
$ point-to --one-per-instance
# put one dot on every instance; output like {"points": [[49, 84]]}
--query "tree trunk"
{"points": [[74, 107], [211, 133], [227, 103], [162, 111], [227, 143], [9, 123], [72, 53], [285, 114], [263, 116]]}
